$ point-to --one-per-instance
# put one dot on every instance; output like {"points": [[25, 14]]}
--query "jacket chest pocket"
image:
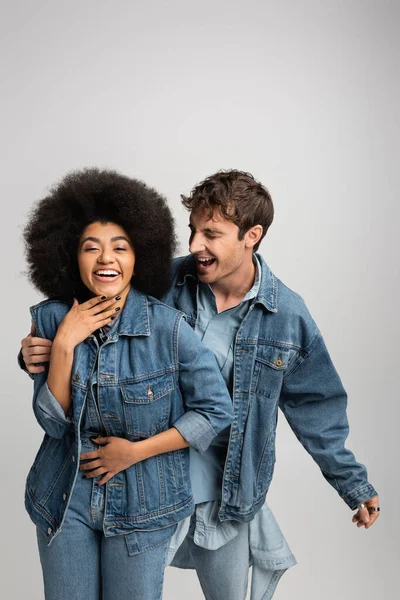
{"points": [[269, 368], [147, 405]]}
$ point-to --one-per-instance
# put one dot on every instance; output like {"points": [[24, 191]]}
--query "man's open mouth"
{"points": [[205, 262]]}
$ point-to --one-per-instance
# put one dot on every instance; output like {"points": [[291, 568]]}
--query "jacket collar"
{"points": [[134, 318], [267, 294]]}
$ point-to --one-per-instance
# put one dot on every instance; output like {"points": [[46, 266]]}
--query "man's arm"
{"points": [[34, 350], [314, 402]]}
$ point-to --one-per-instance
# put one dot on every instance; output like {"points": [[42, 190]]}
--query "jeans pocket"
{"points": [[141, 541]]}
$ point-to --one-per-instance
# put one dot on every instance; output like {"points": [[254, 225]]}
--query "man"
{"points": [[271, 354]]}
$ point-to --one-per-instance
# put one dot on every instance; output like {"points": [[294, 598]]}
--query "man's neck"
{"points": [[230, 291]]}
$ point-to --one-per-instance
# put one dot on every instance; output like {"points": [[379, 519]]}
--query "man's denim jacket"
{"points": [[280, 359], [152, 373]]}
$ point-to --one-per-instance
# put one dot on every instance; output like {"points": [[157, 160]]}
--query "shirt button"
{"points": [[73, 458], [49, 531], [64, 496]]}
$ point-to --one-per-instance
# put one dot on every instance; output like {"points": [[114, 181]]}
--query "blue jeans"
{"points": [[223, 573], [82, 564]]}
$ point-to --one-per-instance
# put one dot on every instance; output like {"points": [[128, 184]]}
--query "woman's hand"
{"points": [[83, 319], [115, 455]]}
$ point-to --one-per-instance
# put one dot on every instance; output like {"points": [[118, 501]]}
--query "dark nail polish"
{"points": [[103, 297], [112, 318], [118, 298], [117, 309]]}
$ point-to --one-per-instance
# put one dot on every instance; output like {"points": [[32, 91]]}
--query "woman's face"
{"points": [[106, 259]]}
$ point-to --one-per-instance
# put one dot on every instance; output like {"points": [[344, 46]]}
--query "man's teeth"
{"points": [[205, 261], [109, 273]]}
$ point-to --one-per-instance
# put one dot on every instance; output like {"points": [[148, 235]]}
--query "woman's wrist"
{"points": [[142, 450], [62, 343]]}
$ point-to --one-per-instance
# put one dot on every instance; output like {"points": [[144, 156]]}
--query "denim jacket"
{"points": [[280, 360], [152, 373]]}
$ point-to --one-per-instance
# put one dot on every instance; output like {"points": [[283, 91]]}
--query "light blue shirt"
{"points": [[217, 331], [268, 552]]}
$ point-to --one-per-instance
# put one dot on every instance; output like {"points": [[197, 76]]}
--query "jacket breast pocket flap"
{"points": [[147, 405], [148, 390], [269, 368]]}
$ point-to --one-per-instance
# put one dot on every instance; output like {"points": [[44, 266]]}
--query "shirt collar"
{"points": [[265, 280]]}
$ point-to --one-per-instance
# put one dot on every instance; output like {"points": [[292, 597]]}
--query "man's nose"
{"points": [[196, 244]]}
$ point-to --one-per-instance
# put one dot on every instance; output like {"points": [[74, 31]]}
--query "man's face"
{"points": [[220, 256]]}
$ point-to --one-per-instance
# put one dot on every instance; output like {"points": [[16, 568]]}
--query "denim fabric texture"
{"points": [[152, 373], [222, 553], [123, 567], [280, 360]]}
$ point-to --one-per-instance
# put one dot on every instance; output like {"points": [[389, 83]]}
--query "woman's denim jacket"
{"points": [[280, 359], [152, 373]]}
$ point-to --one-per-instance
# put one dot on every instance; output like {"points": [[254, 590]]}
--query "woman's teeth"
{"points": [[107, 273]]}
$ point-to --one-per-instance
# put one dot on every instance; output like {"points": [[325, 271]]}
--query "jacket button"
{"points": [[76, 377], [278, 362], [49, 531]]}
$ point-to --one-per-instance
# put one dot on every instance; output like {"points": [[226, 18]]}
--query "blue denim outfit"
{"points": [[280, 359], [203, 542], [152, 373], [83, 564]]}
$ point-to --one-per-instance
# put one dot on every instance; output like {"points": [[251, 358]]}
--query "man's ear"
{"points": [[253, 236]]}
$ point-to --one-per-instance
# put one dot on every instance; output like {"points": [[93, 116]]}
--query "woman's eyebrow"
{"points": [[98, 241], [120, 237], [91, 239]]}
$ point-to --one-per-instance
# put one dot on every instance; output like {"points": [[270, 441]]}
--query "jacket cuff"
{"points": [[50, 414], [22, 364], [195, 429], [360, 494]]}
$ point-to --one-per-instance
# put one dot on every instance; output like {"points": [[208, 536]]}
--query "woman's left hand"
{"points": [[114, 455]]}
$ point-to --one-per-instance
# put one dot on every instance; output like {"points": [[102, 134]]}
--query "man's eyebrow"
{"points": [[207, 229]]}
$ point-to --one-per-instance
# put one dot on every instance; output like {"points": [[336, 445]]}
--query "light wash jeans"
{"points": [[223, 573], [82, 564]]}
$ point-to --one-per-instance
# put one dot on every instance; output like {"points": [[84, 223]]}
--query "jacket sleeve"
{"points": [[47, 409], [314, 402], [208, 404]]}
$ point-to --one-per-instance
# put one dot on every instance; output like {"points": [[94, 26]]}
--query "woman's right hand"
{"points": [[83, 319]]}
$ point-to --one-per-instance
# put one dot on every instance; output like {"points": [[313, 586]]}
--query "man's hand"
{"points": [[115, 455], [365, 517], [35, 350]]}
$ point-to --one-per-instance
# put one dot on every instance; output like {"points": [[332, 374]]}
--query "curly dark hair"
{"points": [[57, 222], [239, 198]]}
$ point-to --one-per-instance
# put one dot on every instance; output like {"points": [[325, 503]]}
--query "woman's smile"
{"points": [[106, 259]]}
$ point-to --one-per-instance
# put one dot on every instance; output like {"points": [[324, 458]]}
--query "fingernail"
{"points": [[118, 298], [117, 309], [103, 297], [112, 318]]}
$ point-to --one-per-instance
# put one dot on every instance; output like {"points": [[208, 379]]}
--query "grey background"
{"points": [[305, 95]]}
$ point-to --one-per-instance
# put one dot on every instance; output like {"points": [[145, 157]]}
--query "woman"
{"points": [[128, 389]]}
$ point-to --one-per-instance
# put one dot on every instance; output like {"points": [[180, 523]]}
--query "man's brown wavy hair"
{"points": [[237, 196]]}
